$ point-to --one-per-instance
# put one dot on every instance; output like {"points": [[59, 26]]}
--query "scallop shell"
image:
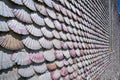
{"points": [[55, 75], [51, 13], [66, 63], [48, 3], [69, 14], [31, 42], [70, 29], [60, 17], [59, 64], [56, 43], [62, 2], [29, 4], [70, 60], [41, 9], [3, 26], [70, 45], [38, 19], [37, 57], [59, 55], [11, 41], [72, 53], [70, 69], [45, 76], [47, 33], [26, 71], [75, 31], [34, 30], [5, 60], [66, 19], [9, 75], [49, 55], [63, 10], [68, 36], [67, 4], [21, 58], [56, 34], [51, 66], [64, 28], [49, 23], [73, 37], [57, 25], [47, 44], [40, 68], [66, 54], [5, 10], [64, 45], [75, 44], [56, 6], [17, 27], [19, 2], [22, 15], [62, 35], [72, 22], [64, 71], [35, 77]]}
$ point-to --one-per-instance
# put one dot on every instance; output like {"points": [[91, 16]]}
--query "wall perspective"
{"points": [[54, 39]]}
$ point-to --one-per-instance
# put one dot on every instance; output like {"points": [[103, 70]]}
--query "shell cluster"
{"points": [[53, 39]]}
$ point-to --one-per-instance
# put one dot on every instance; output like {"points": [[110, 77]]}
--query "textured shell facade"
{"points": [[53, 39]]}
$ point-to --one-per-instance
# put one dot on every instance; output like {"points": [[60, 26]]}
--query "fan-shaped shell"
{"points": [[55, 74], [35, 77], [11, 41], [29, 4], [70, 45], [26, 71], [41, 9], [37, 57], [5, 10], [45, 43], [70, 61], [62, 35], [49, 23], [59, 64], [72, 22], [17, 27], [63, 10], [46, 32], [56, 43], [68, 36], [59, 55], [5, 60], [19, 2], [48, 3], [31, 42], [40, 68], [64, 45], [52, 66], [64, 71], [57, 25], [51, 13], [3, 26], [21, 58], [56, 6], [66, 19], [45, 76], [38, 19], [56, 34], [49, 55], [34, 30], [22, 15], [60, 17], [70, 29], [66, 54], [70, 69], [64, 28]]}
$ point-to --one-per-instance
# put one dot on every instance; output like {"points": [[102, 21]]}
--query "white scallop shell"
{"points": [[26, 71], [56, 6], [63, 35], [60, 17], [40, 68], [49, 55], [70, 29], [5, 10], [72, 22], [56, 43], [66, 19], [22, 15], [66, 54], [70, 69], [49, 23], [64, 27], [38, 19], [34, 30], [31, 42], [5, 60], [17, 27], [70, 45], [29, 4], [3, 26], [45, 76], [60, 64], [55, 74], [51, 13], [35, 77], [21, 58], [48, 3], [47, 33], [56, 34], [68, 36], [19, 2], [57, 25], [47, 44], [9, 75]]}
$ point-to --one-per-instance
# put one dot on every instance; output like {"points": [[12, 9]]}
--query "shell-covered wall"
{"points": [[53, 39]]}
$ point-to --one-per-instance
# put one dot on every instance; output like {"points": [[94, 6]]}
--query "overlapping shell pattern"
{"points": [[53, 39]]}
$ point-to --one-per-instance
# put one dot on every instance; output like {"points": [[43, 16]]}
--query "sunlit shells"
{"points": [[66, 54], [49, 55], [68, 36], [51, 66], [57, 25], [49, 23], [22, 15], [31, 42], [41, 9], [64, 71], [5, 10], [56, 43], [35, 77], [40, 68], [19, 2], [5, 60], [34, 30], [70, 45], [62, 35], [21, 58], [3, 26], [67, 20], [46, 32], [59, 55], [26, 71], [60, 17], [56, 34], [45, 76], [48, 3], [17, 27], [47, 44], [29, 4], [56, 6], [38, 19], [11, 41], [55, 74], [64, 28], [51, 13], [59, 64], [37, 57]]}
